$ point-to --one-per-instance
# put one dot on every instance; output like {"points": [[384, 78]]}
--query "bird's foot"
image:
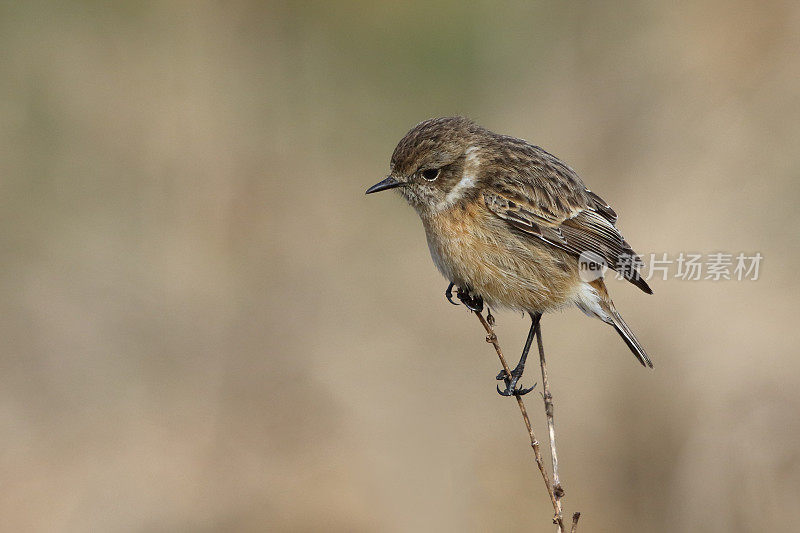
{"points": [[511, 384], [473, 303]]}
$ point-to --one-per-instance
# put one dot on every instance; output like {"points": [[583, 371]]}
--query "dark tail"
{"points": [[615, 319], [629, 338]]}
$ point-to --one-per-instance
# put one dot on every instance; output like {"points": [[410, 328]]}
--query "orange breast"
{"points": [[472, 247]]}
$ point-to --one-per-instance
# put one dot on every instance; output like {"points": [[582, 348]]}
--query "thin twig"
{"points": [[575, 518], [492, 339], [558, 491]]}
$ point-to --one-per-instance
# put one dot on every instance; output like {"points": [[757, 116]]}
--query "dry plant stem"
{"points": [[575, 518], [492, 338], [558, 491]]}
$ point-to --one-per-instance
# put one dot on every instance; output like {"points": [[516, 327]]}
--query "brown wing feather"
{"points": [[602, 207], [547, 200]]}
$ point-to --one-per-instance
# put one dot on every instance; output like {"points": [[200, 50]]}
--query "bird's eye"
{"points": [[430, 174]]}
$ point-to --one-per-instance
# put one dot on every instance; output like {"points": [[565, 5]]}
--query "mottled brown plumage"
{"points": [[509, 221]]}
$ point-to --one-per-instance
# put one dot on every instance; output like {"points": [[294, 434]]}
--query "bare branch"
{"points": [[575, 518], [492, 339], [549, 408]]}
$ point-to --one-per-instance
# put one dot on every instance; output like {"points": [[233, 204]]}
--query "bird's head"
{"points": [[435, 165]]}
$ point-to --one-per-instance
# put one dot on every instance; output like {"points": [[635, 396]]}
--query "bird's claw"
{"points": [[510, 389], [473, 303], [449, 294], [511, 384]]}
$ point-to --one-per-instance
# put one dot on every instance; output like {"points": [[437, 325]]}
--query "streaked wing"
{"points": [[601, 206], [553, 205]]}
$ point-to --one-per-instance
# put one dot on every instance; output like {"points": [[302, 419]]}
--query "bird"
{"points": [[509, 224]]}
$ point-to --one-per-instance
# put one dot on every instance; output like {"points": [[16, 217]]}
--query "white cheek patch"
{"points": [[467, 181], [455, 194]]}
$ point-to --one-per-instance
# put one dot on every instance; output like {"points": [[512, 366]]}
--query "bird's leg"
{"points": [[511, 381], [448, 293], [473, 303]]}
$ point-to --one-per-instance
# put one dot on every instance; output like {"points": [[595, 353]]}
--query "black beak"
{"points": [[388, 183]]}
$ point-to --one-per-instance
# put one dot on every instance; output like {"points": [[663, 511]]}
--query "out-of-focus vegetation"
{"points": [[207, 326]]}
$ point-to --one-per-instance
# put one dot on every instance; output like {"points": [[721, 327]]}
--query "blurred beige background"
{"points": [[206, 326]]}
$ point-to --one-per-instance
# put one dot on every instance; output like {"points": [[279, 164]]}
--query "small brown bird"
{"points": [[510, 224]]}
